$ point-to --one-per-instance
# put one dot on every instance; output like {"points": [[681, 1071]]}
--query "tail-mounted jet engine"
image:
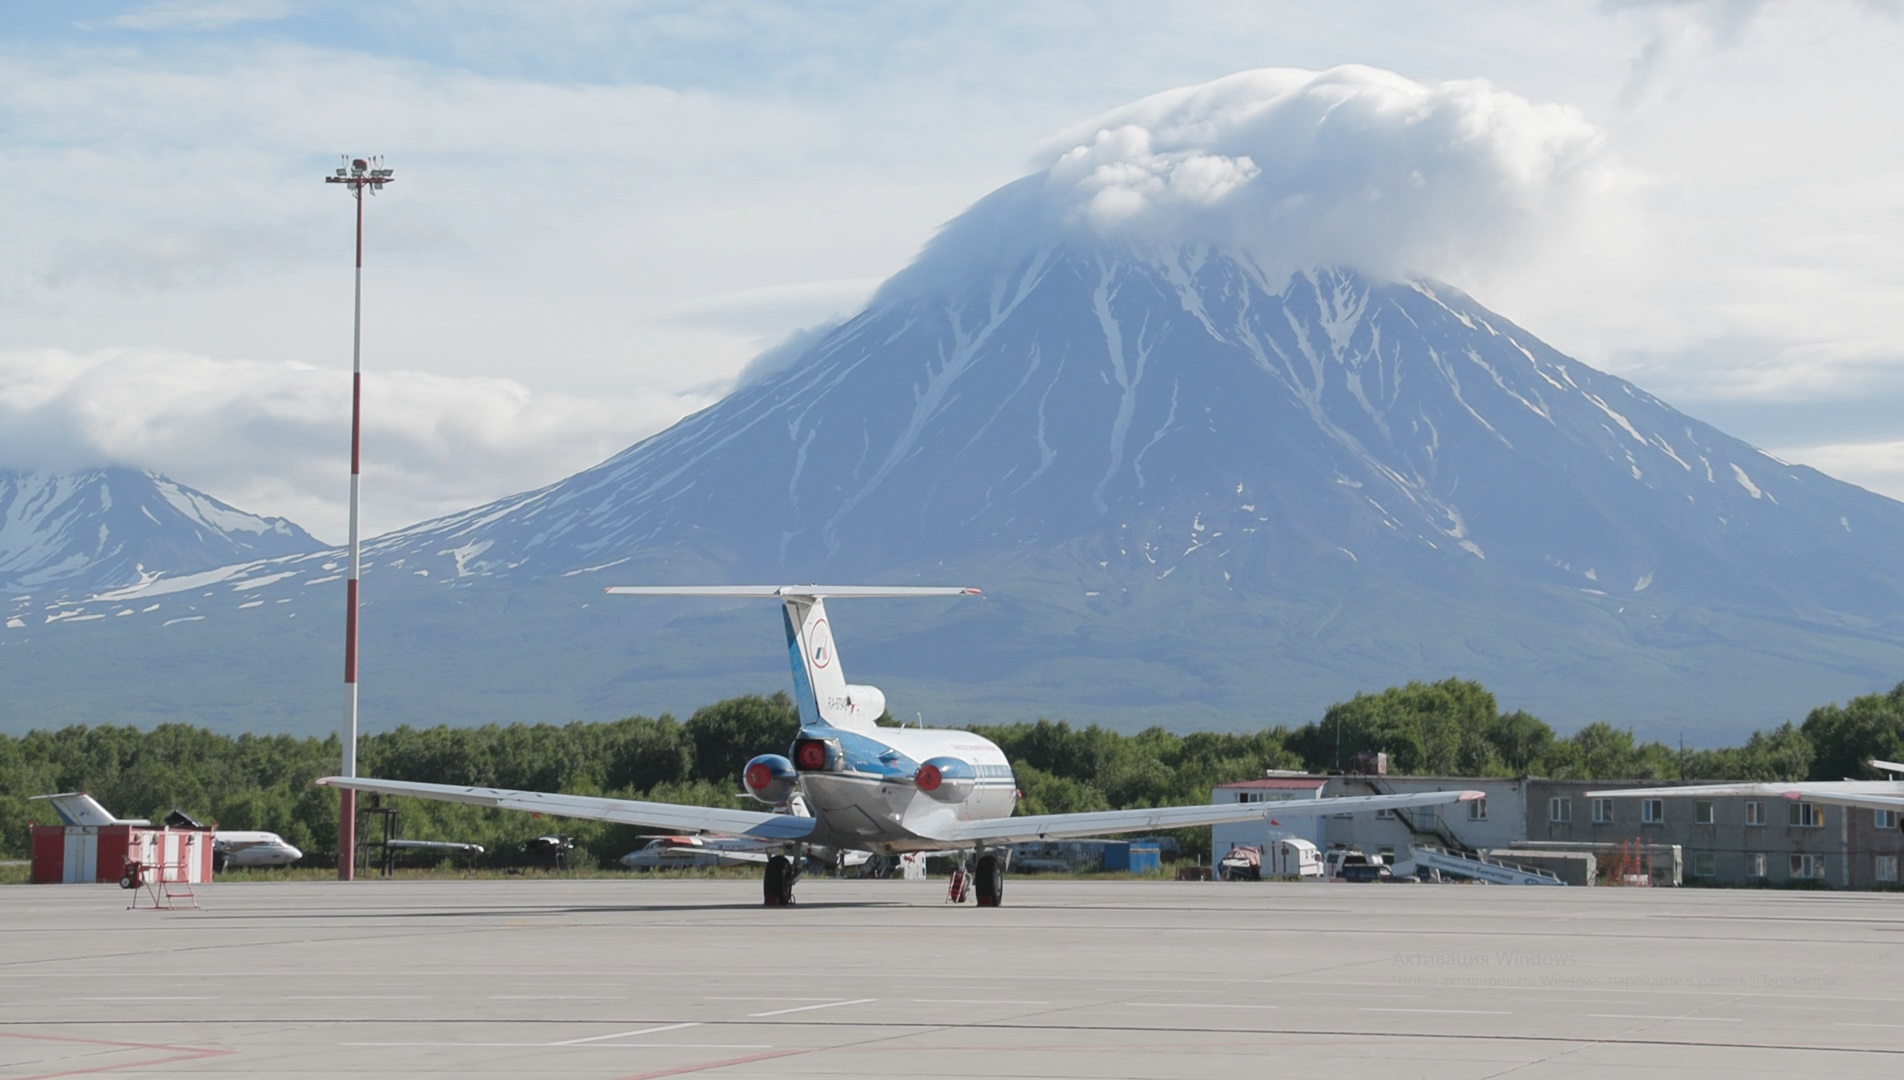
{"points": [[947, 779], [818, 755], [769, 778]]}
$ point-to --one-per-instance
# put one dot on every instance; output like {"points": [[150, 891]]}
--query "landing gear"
{"points": [[991, 881], [955, 888], [778, 884]]}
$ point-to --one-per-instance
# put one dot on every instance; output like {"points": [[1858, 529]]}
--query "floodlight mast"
{"points": [[356, 174]]}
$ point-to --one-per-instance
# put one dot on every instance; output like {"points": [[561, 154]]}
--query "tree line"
{"points": [[1452, 727]]}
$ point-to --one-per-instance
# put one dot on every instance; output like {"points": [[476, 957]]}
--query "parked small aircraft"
{"points": [[1874, 794], [874, 789], [231, 848]]}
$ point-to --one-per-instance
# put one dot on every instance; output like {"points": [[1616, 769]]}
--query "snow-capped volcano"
{"points": [[1147, 412], [109, 527], [1192, 406]]}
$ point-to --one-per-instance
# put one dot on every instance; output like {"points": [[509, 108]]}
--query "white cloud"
{"points": [[1351, 166], [273, 437], [208, 15]]}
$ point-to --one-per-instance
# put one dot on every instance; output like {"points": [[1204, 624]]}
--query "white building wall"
{"points": [[1261, 834]]}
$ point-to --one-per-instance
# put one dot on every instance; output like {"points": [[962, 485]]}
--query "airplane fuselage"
{"points": [[872, 798]]}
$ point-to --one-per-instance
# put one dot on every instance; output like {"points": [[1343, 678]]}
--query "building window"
{"points": [[1755, 813], [1477, 810], [1603, 811], [1652, 811], [1385, 815], [1807, 815], [1702, 812], [1755, 864], [1249, 796], [1703, 864], [1808, 866], [1884, 819], [1884, 867], [1560, 811]]}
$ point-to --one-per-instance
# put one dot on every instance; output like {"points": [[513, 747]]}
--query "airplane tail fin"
{"points": [[820, 686], [79, 808]]}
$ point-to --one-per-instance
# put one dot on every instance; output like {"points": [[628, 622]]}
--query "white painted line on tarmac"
{"points": [[354, 997], [1656, 1016], [974, 1001], [1193, 1005], [1445, 1012], [553, 997], [767, 997], [625, 1034], [810, 1008], [150, 997]]}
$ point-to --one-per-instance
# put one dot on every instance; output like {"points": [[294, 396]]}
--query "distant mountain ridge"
{"points": [[111, 527]]}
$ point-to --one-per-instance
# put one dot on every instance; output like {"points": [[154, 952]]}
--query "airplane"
{"points": [[231, 848], [1872, 794], [879, 790]]}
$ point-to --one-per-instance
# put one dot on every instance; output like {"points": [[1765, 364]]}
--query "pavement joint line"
{"points": [[626, 1034], [809, 1008]]}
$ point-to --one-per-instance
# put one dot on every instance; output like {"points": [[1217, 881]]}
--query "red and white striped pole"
{"points": [[359, 174]]}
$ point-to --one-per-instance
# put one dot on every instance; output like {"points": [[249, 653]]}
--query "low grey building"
{"points": [[1733, 840]]}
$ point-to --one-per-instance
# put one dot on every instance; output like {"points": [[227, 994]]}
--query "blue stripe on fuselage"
{"points": [[802, 686]]}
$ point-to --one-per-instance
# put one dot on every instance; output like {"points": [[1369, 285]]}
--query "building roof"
{"points": [[1277, 783]]}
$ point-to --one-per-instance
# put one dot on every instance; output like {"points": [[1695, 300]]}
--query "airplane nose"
{"points": [[293, 852]]}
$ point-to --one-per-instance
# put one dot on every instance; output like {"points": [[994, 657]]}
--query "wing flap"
{"points": [[1098, 823], [755, 823]]}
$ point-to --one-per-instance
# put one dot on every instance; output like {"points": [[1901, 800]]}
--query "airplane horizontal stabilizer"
{"points": [[826, 592], [763, 825], [1101, 822]]}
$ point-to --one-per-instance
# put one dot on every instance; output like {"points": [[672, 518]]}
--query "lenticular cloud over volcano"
{"points": [[1353, 166]]}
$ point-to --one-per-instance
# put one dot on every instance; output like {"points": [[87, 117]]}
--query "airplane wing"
{"points": [[763, 825], [1783, 790], [1098, 823], [1840, 798]]}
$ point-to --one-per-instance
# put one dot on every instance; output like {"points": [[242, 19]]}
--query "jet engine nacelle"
{"points": [[769, 778], [947, 779]]}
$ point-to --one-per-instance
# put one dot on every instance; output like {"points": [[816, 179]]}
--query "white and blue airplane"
{"points": [[881, 790]]}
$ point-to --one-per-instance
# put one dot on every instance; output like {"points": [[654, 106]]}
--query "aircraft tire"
{"points": [[990, 881], [777, 886]]}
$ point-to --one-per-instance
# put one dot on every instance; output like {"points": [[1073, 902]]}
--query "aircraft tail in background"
{"points": [[79, 808], [819, 682]]}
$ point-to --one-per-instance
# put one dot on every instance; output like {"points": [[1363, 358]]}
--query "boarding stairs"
{"points": [[1480, 868]]}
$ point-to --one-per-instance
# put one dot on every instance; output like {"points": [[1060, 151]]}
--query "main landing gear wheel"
{"points": [[778, 884], [990, 881]]}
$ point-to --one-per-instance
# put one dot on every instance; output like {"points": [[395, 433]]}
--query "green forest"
{"points": [[1452, 728]]}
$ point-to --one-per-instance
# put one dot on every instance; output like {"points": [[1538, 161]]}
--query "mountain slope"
{"points": [[109, 527]]}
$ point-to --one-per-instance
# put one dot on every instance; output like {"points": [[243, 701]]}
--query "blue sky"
{"points": [[604, 210]]}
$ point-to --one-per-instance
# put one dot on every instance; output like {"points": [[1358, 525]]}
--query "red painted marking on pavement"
{"points": [[182, 1053], [683, 1070]]}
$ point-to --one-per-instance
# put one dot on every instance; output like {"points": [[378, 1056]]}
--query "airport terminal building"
{"points": [[1726, 840]]}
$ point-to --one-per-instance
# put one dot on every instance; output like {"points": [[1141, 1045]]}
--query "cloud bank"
{"points": [[1351, 166], [273, 437]]}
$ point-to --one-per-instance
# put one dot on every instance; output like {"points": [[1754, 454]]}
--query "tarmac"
{"points": [[648, 978]]}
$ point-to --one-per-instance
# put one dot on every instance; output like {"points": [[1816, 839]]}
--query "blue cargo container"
{"points": [[1132, 858]]}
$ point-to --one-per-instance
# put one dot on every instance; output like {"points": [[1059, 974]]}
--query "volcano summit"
{"points": [[1217, 455]]}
